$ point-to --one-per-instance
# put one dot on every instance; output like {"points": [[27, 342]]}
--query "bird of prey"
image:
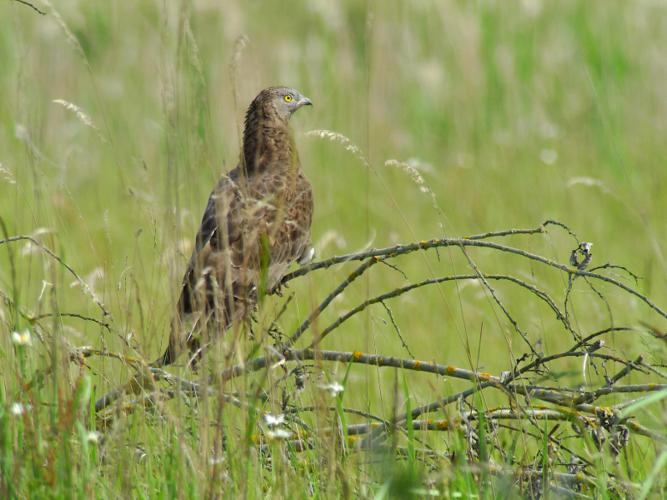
{"points": [[256, 223]]}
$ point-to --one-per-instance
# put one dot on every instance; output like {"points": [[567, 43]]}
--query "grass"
{"points": [[117, 118]]}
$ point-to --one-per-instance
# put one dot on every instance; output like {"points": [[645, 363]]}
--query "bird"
{"points": [[256, 224]]}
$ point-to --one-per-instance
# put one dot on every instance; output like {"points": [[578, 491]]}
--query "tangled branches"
{"points": [[528, 403]]}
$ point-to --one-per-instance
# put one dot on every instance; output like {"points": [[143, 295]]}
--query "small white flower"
{"points": [[22, 338], [548, 156], [93, 437], [278, 434], [17, 409], [273, 420], [21, 133], [549, 130], [334, 388]]}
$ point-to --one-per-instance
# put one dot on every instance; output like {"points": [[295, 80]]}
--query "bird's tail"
{"points": [[212, 317], [185, 332], [166, 359]]}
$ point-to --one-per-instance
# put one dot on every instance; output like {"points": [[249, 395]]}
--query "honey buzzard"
{"points": [[256, 224]]}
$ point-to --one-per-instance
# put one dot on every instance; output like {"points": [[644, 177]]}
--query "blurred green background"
{"points": [[513, 116], [513, 113]]}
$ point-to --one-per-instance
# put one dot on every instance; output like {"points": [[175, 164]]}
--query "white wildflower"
{"points": [[17, 409], [273, 420], [334, 388], [93, 437], [21, 133], [22, 338], [548, 156], [278, 434]]}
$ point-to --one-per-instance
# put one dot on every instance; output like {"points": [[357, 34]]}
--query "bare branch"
{"points": [[32, 6]]}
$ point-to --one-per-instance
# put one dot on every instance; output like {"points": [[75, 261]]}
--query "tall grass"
{"points": [[117, 118]]}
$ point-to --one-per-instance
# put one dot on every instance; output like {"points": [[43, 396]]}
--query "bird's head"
{"points": [[283, 101]]}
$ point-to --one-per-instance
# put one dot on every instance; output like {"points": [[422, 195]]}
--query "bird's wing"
{"points": [[243, 219], [219, 222]]}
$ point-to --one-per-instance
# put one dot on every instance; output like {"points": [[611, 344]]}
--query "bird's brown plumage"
{"points": [[256, 223]]}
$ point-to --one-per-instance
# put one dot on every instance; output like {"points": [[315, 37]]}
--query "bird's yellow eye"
{"points": [[288, 98]]}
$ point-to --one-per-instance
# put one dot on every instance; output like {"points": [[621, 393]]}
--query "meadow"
{"points": [[432, 120]]}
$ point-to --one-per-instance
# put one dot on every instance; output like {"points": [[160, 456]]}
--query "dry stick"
{"points": [[521, 333], [404, 249], [457, 277], [32, 6], [506, 232], [60, 261], [603, 299], [445, 424], [397, 329], [609, 265], [103, 324], [626, 370], [339, 289], [360, 255], [416, 365], [482, 380], [613, 329], [291, 354], [394, 251], [352, 411], [573, 354], [450, 424]]}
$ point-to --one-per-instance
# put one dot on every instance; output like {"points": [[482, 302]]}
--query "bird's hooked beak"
{"points": [[304, 101]]}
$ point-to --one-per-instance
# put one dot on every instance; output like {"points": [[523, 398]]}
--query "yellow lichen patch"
{"points": [[451, 369], [418, 364], [356, 355], [484, 375]]}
